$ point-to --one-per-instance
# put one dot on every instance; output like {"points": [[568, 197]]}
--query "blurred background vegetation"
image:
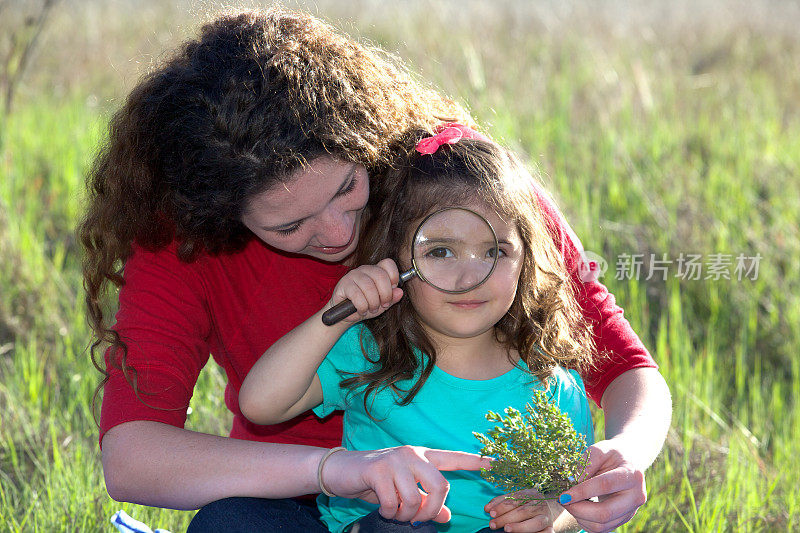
{"points": [[662, 128]]}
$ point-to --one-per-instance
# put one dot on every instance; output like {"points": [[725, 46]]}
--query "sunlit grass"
{"points": [[655, 138]]}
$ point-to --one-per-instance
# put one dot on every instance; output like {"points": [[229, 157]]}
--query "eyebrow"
{"points": [[342, 187], [440, 240], [449, 240]]}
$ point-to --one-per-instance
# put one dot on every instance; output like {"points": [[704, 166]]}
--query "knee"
{"points": [[375, 523], [224, 514], [243, 515]]}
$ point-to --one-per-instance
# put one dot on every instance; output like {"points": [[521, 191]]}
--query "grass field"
{"points": [[661, 130]]}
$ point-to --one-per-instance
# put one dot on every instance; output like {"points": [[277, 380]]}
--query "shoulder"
{"points": [[568, 385], [565, 378], [163, 292], [562, 233], [166, 262], [160, 268], [166, 255], [571, 397]]}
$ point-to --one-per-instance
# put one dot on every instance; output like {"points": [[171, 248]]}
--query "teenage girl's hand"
{"points": [[514, 515], [372, 289], [618, 484], [389, 477]]}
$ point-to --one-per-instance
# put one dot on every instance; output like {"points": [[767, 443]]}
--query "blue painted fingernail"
{"points": [[416, 524], [564, 498]]}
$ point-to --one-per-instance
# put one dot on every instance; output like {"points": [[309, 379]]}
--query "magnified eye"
{"points": [[491, 253], [440, 252]]}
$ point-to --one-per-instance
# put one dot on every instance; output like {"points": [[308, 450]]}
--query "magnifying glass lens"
{"points": [[455, 250]]}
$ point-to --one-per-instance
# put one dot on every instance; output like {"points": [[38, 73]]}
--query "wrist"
{"points": [[566, 523], [267, 470], [309, 469], [321, 467]]}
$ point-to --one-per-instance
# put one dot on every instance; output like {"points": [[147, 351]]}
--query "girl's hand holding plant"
{"points": [[372, 289], [517, 512], [540, 449]]}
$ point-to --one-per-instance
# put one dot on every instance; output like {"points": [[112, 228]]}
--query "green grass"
{"points": [[659, 134]]}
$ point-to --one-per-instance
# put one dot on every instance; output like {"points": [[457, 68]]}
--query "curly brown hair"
{"points": [[544, 323], [228, 115]]}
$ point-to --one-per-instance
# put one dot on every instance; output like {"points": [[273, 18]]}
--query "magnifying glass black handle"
{"points": [[338, 312], [345, 308]]}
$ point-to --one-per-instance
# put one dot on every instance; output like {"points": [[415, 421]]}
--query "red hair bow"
{"points": [[448, 133]]}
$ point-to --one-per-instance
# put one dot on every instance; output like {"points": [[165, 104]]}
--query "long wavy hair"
{"points": [[544, 323], [228, 115]]}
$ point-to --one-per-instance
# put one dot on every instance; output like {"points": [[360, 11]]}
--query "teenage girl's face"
{"points": [[316, 213], [472, 313]]}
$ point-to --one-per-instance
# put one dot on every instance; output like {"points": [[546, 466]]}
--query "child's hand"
{"points": [[515, 515], [372, 289]]}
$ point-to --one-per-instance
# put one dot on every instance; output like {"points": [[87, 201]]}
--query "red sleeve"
{"points": [[164, 322], [621, 348]]}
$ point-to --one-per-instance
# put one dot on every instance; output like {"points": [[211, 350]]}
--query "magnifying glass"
{"points": [[454, 250]]}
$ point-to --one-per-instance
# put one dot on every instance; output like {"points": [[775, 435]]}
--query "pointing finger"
{"points": [[447, 460]]}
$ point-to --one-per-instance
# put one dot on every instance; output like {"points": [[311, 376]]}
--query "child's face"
{"points": [[475, 312]]}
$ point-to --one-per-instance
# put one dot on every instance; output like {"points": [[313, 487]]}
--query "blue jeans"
{"points": [[375, 523], [243, 515]]}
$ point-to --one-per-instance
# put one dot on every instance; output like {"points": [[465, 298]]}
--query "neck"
{"points": [[480, 357]]}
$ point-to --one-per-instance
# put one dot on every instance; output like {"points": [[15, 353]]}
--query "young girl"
{"points": [[424, 370]]}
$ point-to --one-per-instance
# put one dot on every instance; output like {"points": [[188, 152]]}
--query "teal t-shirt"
{"points": [[443, 415]]}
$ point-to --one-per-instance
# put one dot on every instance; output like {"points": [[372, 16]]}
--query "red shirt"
{"points": [[172, 315]]}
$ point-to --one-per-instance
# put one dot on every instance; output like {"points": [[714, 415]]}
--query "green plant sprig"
{"points": [[540, 450]]}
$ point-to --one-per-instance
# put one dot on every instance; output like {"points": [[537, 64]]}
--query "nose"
{"points": [[470, 275], [335, 227]]}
